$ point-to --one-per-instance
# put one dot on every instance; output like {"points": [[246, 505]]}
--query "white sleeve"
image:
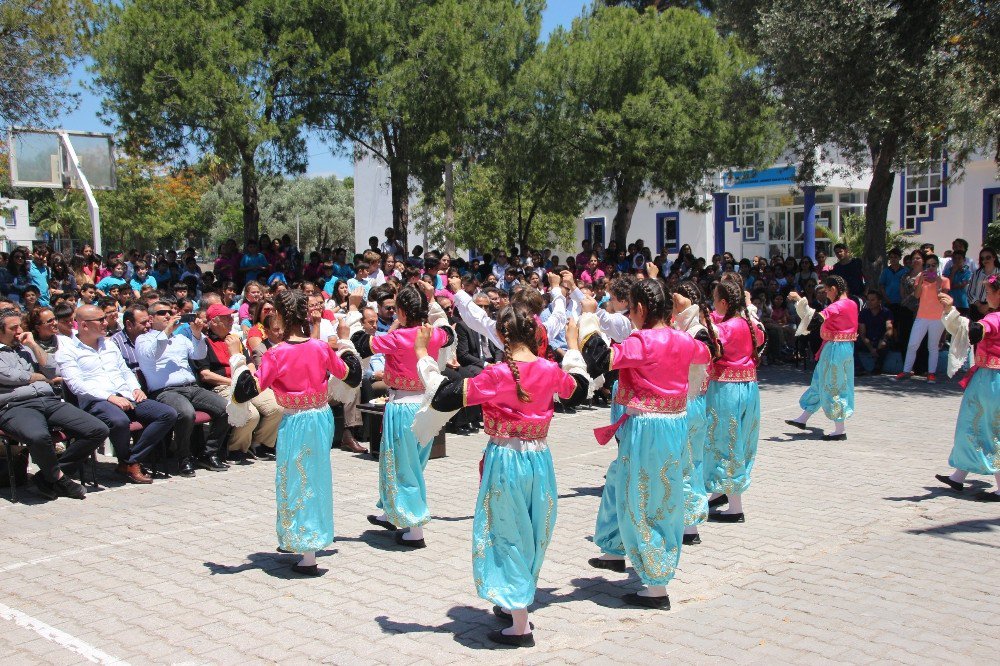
{"points": [[614, 324], [958, 350], [806, 314], [556, 322], [476, 318]]}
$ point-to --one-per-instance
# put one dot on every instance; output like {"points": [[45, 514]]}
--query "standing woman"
{"points": [[61, 279], [691, 315], [732, 405], [297, 370], [832, 386], [654, 365], [976, 290], [516, 507], [977, 434], [402, 459], [928, 284]]}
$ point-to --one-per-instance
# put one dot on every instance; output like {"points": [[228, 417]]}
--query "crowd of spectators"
{"points": [[90, 346]]}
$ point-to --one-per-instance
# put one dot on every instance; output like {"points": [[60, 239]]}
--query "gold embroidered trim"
{"points": [[519, 429], [650, 402], [401, 382], [837, 337], [301, 401], [734, 375], [989, 361]]}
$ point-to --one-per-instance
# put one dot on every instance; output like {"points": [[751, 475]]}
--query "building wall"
{"points": [[16, 229]]}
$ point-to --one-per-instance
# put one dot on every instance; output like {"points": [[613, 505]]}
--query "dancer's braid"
{"points": [[690, 290], [838, 282], [732, 294], [517, 324], [412, 301], [650, 294]]}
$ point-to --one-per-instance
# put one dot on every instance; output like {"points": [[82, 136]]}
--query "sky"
{"points": [[323, 160]]}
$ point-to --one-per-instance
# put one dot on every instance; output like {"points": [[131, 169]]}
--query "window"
{"points": [[751, 218], [593, 230], [924, 189], [9, 216], [668, 231], [996, 208]]}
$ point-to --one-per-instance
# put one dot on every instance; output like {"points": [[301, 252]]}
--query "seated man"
{"points": [[96, 373], [474, 352], [29, 410], [136, 321], [214, 373], [164, 359]]}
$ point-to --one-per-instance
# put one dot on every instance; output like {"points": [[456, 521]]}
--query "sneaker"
{"points": [[931, 378], [43, 487], [903, 375], [67, 487]]}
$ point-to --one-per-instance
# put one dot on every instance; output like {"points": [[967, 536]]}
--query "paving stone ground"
{"points": [[851, 553]]}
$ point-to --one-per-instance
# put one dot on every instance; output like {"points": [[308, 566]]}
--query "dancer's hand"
{"points": [[947, 301], [454, 284], [343, 330], [681, 302], [554, 279], [234, 344], [588, 305], [652, 270], [794, 296], [423, 338]]}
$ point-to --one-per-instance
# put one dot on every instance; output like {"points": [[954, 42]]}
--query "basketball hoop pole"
{"points": [[95, 212]]}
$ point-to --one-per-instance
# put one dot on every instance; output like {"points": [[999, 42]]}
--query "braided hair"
{"points": [[516, 324], [690, 291], [293, 306], [413, 303], [732, 295], [837, 283], [651, 295]]}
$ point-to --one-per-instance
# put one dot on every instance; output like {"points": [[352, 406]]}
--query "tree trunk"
{"points": [[249, 178], [399, 186], [626, 198], [449, 208], [877, 210]]}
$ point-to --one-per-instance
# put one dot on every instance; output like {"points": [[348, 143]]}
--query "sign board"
{"points": [[783, 175]]}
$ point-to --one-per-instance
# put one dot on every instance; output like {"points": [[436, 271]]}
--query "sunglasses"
{"points": [[161, 313], [83, 321], [49, 321]]}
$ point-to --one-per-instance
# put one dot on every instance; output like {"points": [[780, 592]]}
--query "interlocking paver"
{"points": [[851, 553]]}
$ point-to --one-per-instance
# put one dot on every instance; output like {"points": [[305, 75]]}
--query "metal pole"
{"points": [[298, 238], [92, 207]]}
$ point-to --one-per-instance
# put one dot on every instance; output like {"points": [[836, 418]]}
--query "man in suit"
{"points": [[474, 352]]}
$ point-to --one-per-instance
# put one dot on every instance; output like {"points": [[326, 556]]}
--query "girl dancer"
{"points": [[402, 459], [732, 405], [691, 315], [654, 364], [977, 433], [832, 386], [297, 370], [516, 508]]}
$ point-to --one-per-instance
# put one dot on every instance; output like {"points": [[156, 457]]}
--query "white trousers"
{"points": [[933, 329]]}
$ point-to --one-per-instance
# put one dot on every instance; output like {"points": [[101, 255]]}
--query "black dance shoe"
{"points": [[987, 496], [409, 543], [726, 518], [718, 501], [617, 566], [954, 485], [691, 539], [375, 520], [311, 570], [657, 603], [518, 640], [796, 424], [835, 438]]}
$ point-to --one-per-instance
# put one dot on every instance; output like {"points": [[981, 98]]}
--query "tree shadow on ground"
{"points": [[583, 491], [954, 531], [276, 565], [467, 625]]}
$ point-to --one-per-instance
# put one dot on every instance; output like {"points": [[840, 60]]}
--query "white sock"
{"points": [[997, 477], [521, 624], [308, 559], [960, 474], [413, 534], [607, 556], [383, 517], [839, 427], [803, 417], [653, 591], [693, 529], [735, 504]]}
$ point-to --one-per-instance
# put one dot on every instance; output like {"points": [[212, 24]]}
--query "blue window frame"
{"points": [[593, 230], [668, 231]]}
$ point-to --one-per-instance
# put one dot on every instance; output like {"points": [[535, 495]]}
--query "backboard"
{"points": [[39, 158]]}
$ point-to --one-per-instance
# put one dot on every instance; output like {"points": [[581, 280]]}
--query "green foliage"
{"points": [[993, 235], [41, 40], [852, 234], [63, 214], [972, 30], [224, 77], [422, 80], [663, 103], [323, 208]]}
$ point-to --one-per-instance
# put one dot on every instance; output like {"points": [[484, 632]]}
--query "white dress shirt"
{"points": [[164, 359], [95, 373], [613, 324], [480, 321]]}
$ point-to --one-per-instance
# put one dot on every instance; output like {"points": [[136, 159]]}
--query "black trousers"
{"points": [[156, 417], [30, 421], [188, 399]]}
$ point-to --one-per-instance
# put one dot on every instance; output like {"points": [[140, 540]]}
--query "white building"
{"points": [[763, 212], [16, 228]]}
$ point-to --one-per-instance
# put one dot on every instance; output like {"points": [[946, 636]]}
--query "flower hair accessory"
{"points": [[993, 279]]}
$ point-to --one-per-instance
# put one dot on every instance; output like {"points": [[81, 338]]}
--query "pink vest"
{"points": [[654, 366], [401, 357], [988, 349], [297, 372], [840, 321], [506, 416], [737, 363]]}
